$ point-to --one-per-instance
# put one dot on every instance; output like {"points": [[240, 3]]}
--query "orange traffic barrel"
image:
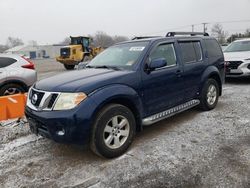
{"points": [[12, 106]]}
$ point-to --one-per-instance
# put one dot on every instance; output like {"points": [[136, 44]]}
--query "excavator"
{"points": [[79, 50]]}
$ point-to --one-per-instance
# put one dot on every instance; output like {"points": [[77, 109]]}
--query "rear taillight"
{"points": [[30, 65]]}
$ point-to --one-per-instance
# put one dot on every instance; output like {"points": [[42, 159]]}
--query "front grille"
{"points": [[234, 64], [36, 102], [65, 52], [41, 100], [52, 100]]}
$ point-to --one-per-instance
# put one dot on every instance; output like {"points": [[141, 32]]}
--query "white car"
{"points": [[17, 74], [237, 58]]}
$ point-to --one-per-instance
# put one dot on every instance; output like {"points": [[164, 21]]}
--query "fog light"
{"points": [[61, 132]]}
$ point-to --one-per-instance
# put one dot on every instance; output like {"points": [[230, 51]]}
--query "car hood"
{"points": [[86, 80], [236, 56]]}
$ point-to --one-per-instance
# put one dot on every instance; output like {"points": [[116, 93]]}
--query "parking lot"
{"points": [[192, 149]]}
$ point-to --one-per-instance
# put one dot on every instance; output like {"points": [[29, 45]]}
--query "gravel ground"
{"points": [[192, 149]]}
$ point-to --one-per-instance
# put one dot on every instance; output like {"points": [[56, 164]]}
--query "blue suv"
{"points": [[128, 86]]}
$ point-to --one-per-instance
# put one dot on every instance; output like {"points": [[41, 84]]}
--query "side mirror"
{"points": [[157, 63]]}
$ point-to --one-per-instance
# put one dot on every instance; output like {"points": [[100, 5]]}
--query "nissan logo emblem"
{"points": [[34, 99]]}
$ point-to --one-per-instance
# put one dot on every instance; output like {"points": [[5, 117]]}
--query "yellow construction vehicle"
{"points": [[79, 50]]}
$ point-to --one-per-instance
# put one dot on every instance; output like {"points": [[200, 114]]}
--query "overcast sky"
{"points": [[50, 21]]}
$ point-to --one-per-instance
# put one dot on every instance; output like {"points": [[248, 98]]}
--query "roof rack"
{"points": [[143, 37], [172, 34]]}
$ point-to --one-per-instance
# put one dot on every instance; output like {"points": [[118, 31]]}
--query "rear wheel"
{"points": [[113, 131], [209, 95], [11, 89], [69, 67]]}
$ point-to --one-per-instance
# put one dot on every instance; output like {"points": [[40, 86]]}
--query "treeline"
{"points": [[235, 36], [10, 43], [223, 37]]}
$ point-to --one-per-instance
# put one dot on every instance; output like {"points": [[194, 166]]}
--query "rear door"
{"points": [[194, 64], [163, 87]]}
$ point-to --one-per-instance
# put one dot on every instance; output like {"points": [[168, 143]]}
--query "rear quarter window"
{"points": [[6, 61], [213, 48], [191, 51]]}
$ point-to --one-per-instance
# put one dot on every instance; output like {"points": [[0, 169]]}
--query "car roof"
{"points": [[162, 38]]}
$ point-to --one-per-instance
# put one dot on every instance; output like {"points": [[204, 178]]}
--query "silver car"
{"points": [[237, 58], [17, 74]]}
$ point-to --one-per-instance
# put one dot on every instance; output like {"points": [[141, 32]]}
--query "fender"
{"points": [[118, 93], [211, 71]]}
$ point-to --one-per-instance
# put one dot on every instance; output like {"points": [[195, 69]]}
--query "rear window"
{"points": [[191, 51], [6, 61], [213, 48]]}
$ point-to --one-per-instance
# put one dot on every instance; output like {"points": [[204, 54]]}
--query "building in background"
{"points": [[36, 52]]}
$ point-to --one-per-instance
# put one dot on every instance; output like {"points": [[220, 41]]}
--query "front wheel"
{"points": [[69, 67], [113, 131], [209, 95]]}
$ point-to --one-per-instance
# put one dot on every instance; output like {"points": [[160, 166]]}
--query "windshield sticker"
{"points": [[138, 48]]}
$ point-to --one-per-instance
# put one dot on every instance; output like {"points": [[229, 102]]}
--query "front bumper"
{"points": [[66, 126], [243, 70]]}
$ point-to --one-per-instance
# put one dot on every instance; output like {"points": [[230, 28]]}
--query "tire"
{"points": [[108, 139], [11, 89], [209, 95], [69, 67]]}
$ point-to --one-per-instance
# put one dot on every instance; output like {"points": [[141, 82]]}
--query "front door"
{"points": [[163, 87]]}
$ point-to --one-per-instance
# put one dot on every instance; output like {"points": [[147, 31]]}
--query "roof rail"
{"points": [[172, 34], [143, 37]]}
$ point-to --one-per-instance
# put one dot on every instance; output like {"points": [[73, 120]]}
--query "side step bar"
{"points": [[170, 112]]}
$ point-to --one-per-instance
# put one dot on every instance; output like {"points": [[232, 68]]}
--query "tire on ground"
{"points": [[104, 120], [206, 102], [69, 67]]}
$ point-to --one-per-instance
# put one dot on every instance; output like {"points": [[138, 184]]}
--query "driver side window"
{"points": [[165, 51]]}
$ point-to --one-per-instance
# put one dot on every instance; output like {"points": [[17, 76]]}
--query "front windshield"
{"points": [[121, 56], [238, 46]]}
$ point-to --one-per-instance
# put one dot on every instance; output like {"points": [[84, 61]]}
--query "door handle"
{"points": [[178, 73]]}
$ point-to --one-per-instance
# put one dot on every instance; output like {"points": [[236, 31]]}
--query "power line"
{"points": [[192, 26]]}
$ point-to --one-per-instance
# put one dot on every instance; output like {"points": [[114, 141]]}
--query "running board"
{"points": [[170, 112]]}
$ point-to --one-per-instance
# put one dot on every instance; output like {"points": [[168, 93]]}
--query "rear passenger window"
{"points": [[6, 61], [213, 48], [191, 51], [165, 51]]}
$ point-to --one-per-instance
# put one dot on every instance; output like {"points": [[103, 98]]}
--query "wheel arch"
{"points": [[19, 82], [212, 72], [123, 95]]}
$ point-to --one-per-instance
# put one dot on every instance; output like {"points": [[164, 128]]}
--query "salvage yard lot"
{"points": [[192, 149]]}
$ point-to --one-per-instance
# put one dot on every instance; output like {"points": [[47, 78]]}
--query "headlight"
{"points": [[68, 101]]}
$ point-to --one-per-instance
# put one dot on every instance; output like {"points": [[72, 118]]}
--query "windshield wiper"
{"points": [[104, 67]]}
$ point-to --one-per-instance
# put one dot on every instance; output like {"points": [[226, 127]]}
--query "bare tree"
{"points": [[219, 33], [12, 42], [65, 41], [117, 39], [102, 39], [3, 48]]}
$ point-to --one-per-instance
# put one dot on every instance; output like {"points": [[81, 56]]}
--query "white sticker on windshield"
{"points": [[138, 48]]}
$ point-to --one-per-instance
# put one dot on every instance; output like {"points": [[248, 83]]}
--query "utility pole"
{"points": [[204, 27], [192, 28]]}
